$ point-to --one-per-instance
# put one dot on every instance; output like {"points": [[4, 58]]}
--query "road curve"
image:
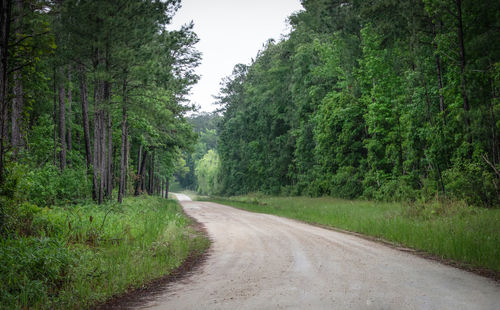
{"points": [[260, 261]]}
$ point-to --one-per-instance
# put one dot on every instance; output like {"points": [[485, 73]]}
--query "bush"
{"points": [[397, 189], [472, 183], [48, 186], [346, 183]]}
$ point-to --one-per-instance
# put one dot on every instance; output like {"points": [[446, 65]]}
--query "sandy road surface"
{"points": [[260, 261]]}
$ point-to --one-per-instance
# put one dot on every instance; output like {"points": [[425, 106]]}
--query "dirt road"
{"points": [[260, 261]]}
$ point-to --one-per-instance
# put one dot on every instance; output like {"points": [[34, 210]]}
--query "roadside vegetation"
{"points": [[77, 256], [93, 105], [449, 230]]}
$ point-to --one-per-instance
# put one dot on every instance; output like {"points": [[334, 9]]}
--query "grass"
{"points": [[450, 230], [75, 257]]}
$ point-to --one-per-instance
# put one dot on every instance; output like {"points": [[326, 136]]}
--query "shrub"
{"points": [[48, 186], [472, 183]]}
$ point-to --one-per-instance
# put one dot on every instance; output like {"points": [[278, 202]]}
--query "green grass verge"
{"points": [[75, 257], [448, 230]]}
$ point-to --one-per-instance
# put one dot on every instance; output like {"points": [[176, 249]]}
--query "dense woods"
{"points": [[93, 99], [377, 99], [93, 104]]}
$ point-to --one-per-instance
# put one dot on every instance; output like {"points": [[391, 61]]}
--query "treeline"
{"points": [[375, 99], [92, 99], [200, 169]]}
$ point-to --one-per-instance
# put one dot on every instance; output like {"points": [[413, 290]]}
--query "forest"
{"points": [[93, 99], [93, 119], [386, 100]]}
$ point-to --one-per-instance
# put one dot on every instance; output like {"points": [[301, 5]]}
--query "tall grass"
{"points": [[450, 230], [74, 257]]}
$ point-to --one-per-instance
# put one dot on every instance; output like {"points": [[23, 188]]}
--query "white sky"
{"points": [[230, 32]]}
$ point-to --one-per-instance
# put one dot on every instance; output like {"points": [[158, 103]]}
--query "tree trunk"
{"points": [[16, 118], [102, 158], [151, 174], [123, 160], [54, 116], [167, 185], [109, 164], [439, 78], [440, 176], [18, 100], [70, 113], [95, 159], [138, 176], [62, 120], [127, 157], [494, 138], [139, 160], [85, 115], [463, 81], [140, 173], [4, 44], [97, 176]]}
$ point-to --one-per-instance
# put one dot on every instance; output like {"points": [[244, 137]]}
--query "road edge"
{"points": [[483, 272], [136, 297]]}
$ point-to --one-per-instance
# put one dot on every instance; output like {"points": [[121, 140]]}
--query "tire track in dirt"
{"points": [[260, 261]]}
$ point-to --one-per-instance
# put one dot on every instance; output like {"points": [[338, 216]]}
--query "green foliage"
{"points": [[369, 99], [49, 186], [206, 172], [118, 60], [33, 270], [76, 256]]}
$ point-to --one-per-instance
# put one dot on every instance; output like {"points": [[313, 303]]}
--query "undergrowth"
{"points": [[77, 256]]}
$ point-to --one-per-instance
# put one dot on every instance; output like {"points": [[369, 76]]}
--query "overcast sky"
{"points": [[230, 32]]}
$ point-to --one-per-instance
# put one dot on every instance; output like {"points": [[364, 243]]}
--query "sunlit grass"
{"points": [[450, 230]]}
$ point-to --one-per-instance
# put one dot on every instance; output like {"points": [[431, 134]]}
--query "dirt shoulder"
{"points": [[149, 291], [261, 261]]}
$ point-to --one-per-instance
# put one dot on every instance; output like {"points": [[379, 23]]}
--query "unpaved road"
{"points": [[260, 261]]}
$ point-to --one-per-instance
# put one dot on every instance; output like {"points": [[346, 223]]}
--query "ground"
{"points": [[260, 261]]}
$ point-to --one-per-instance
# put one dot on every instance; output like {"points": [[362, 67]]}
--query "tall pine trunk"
{"points": [[98, 149], [151, 174], [70, 114], [16, 118], [54, 118], [102, 157], [4, 44], [85, 115], [167, 185], [109, 158], [62, 120], [463, 81], [124, 155], [140, 172], [17, 100], [494, 138], [439, 73]]}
